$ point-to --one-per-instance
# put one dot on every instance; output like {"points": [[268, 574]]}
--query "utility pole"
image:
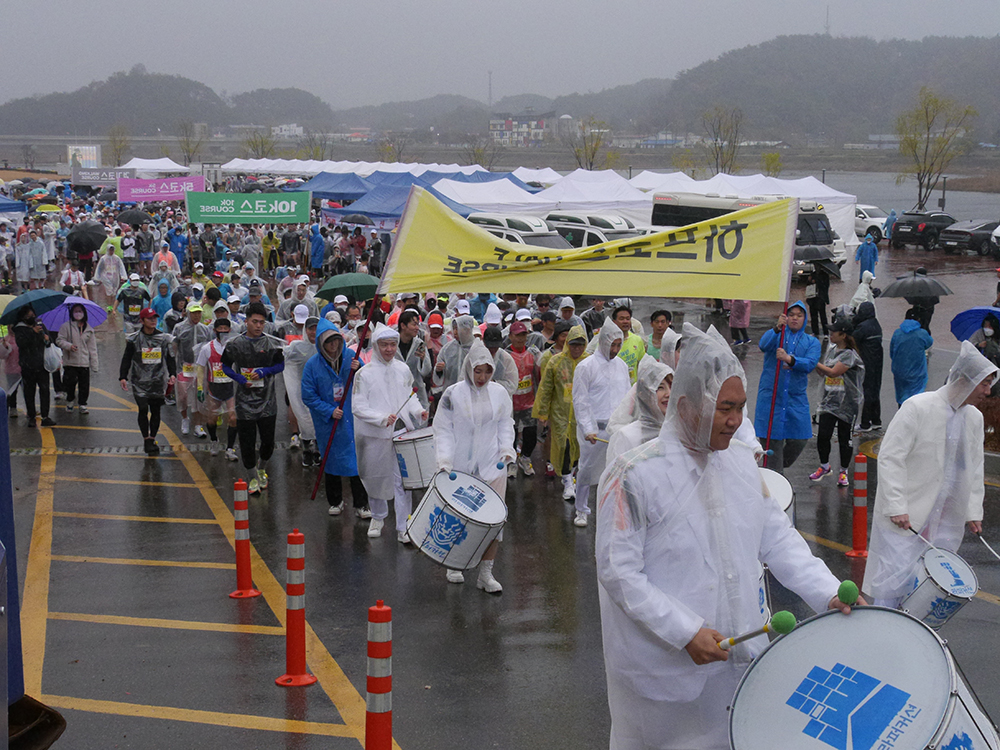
{"points": [[826, 26], [490, 95]]}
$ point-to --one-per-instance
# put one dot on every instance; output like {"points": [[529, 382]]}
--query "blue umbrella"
{"points": [[968, 322], [41, 301], [55, 317]]}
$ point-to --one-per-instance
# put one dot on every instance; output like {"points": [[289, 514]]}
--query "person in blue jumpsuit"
{"points": [[890, 222], [797, 357], [866, 256], [908, 350], [324, 378]]}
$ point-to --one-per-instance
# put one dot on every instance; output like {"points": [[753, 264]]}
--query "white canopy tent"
{"points": [[302, 167], [545, 176], [499, 196], [604, 191], [153, 167], [661, 181]]}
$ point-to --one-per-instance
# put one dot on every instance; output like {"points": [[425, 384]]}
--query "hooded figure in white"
{"points": [[474, 433], [381, 389], [599, 384], [448, 369], [639, 416], [682, 527], [864, 291], [930, 476]]}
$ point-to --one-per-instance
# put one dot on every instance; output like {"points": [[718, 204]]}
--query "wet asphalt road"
{"points": [[109, 631]]}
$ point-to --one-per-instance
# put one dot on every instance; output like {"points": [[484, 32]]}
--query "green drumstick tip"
{"points": [[783, 622], [848, 592]]}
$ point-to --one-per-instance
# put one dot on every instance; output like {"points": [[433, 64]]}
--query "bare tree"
{"points": [[683, 160], [119, 143], [258, 143], [589, 143], [190, 140], [931, 135], [483, 150], [315, 145], [724, 130], [770, 164], [392, 146], [28, 156]]}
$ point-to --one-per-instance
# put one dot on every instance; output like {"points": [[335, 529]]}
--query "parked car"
{"points": [[585, 236], [963, 236], [995, 241], [869, 220], [920, 228], [613, 222]]}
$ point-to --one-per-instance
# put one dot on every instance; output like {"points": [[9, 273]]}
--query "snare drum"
{"points": [[944, 583], [838, 681], [456, 520], [776, 486], [415, 454]]}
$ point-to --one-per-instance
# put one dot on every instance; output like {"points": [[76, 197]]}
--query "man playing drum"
{"points": [[930, 467], [682, 527]]}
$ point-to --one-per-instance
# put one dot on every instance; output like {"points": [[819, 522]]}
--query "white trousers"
{"points": [[402, 500]]}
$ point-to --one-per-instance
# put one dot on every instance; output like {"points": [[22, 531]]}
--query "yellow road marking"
{"points": [[35, 607], [142, 456], [990, 484], [153, 563], [145, 519], [129, 405], [94, 428], [824, 542], [238, 721], [152, 622], [127, 481]]}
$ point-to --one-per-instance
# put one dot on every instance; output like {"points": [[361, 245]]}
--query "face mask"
{"points": [[987, 332], [79, 315]]}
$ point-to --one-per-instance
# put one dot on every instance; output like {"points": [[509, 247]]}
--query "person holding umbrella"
{"points": [[32, 338], [148, 367], [78, 341]]}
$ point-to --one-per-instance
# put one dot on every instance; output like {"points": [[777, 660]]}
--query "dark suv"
{"points": [[920, 228], [963, 236]]}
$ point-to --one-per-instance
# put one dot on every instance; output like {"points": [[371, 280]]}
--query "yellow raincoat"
{"points": [[554, 401]]}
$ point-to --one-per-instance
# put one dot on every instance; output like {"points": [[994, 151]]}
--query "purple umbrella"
{"points": [[54, 318]]}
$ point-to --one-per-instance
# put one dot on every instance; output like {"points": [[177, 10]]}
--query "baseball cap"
{"points": [[492, 336], [217, 275], [340, 299], [301, 312], [255, 291], [194, 308], [518, 327], [233, 298], [435, 320], [302, 281], [522, 314], [199, 264], [134, 277], [462, 307], [147, 312], [842, 325]]}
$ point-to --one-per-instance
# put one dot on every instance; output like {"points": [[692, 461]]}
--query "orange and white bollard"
{"points": [[378, 717], [295, 615], [859, 546], [244, 574]]}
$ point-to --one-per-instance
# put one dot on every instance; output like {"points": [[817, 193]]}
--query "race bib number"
{"points": [[524, 385], [568, 392], [219, 375], [187, 369], [338, 392], [151, 355], [834, 382], [134, 310], [247, 372]]}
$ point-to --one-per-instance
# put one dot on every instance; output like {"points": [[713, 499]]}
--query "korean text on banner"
{"points": [[742, 255], [237, 208], [163, 189]]}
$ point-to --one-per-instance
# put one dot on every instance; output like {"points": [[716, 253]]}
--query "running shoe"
{"points": [[524, 463], [254, 488], [403, 538], [294, 443], [48, 422], [262, 478], [231, 454], [185, 426], [455, 576], [375, 528], [69, 406], [580, 520], [84, 409], [820, 473], [842, 479], [363, 512], [336, 510], [213, 449], [200, 432]]}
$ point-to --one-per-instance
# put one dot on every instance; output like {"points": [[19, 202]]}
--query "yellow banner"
{"points": [[742, 255]]}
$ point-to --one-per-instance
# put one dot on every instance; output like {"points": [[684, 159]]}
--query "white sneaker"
{"points": [[69, 406], [363, 512], [511, 471], [231, 454], [580, 520], [200, 431], [403, 538], [486, 581], [455, 576], [185, 426], [524, 463], [375, 528], [294, 443], [213, 449], [336, 510], [569, 491]]}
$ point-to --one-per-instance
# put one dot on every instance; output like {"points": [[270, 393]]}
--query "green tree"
{"points": [[770, 164], [931, 136], [723, 130], [119, 143], [683, 160]]}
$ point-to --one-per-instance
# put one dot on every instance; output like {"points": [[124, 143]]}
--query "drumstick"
{"points": [[923, 539], [734, 441], [781, 623], [412, 393], [988, 546]]}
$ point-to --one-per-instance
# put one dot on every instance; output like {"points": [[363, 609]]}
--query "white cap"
{"points": [[233, 298], [196, 285], [199, 264], [340, 298], [135, 277], [408, 295], [522, 314], [301, 312], [302, 281], [462, 307], [567, 302]]}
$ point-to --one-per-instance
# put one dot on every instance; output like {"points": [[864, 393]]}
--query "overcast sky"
{"points": [[374, 51]]}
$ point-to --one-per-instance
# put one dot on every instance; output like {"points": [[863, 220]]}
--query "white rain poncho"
{"points": [[681, 532], [380, 388], [930, 468], [637, 419], [864, 291], [505, 371], [454, 352], [668, 347], [420, 367], [474, 427], [599, 384], [297, 353]]}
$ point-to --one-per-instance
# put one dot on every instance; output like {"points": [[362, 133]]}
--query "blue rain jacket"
{"points": [[316, 249], [908, 350], [321, 390], [792, 419], [867, 257]]}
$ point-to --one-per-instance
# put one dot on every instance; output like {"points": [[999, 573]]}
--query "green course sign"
{"points": [[240, 208]]}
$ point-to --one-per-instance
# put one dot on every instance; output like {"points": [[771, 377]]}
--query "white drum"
{"points": [[456, 520], [876, 678], [776, 486], [944, 583], [415, 454]]}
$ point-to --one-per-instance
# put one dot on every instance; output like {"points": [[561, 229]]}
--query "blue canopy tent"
{"points": [[388, 202], [479, 177], [7, 206], [336, 187], [392, 179]]}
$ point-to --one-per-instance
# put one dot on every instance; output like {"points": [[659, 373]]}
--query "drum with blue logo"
{"points": [[871, 680], [416, 457], [456, 520], [942, 585]]}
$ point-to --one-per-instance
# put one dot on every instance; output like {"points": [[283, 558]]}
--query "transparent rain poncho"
{"points": [[637, 419], [297, 353], [454, 352], [148, 374]]}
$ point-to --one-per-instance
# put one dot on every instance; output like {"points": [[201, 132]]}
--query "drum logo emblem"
{"points": [[447, 530], [402, 466], [850, 710]]}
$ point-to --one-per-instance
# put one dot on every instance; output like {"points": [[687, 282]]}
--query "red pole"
{"points": [[244, 574], [295, 615], [378, 717], [774, 391], [860, 531]]}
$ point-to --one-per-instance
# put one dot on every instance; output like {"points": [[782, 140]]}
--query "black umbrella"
{"points": [[916, 284], [810, 253], [827, 266], [134, 216], [86, 237], [362, 219]]}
